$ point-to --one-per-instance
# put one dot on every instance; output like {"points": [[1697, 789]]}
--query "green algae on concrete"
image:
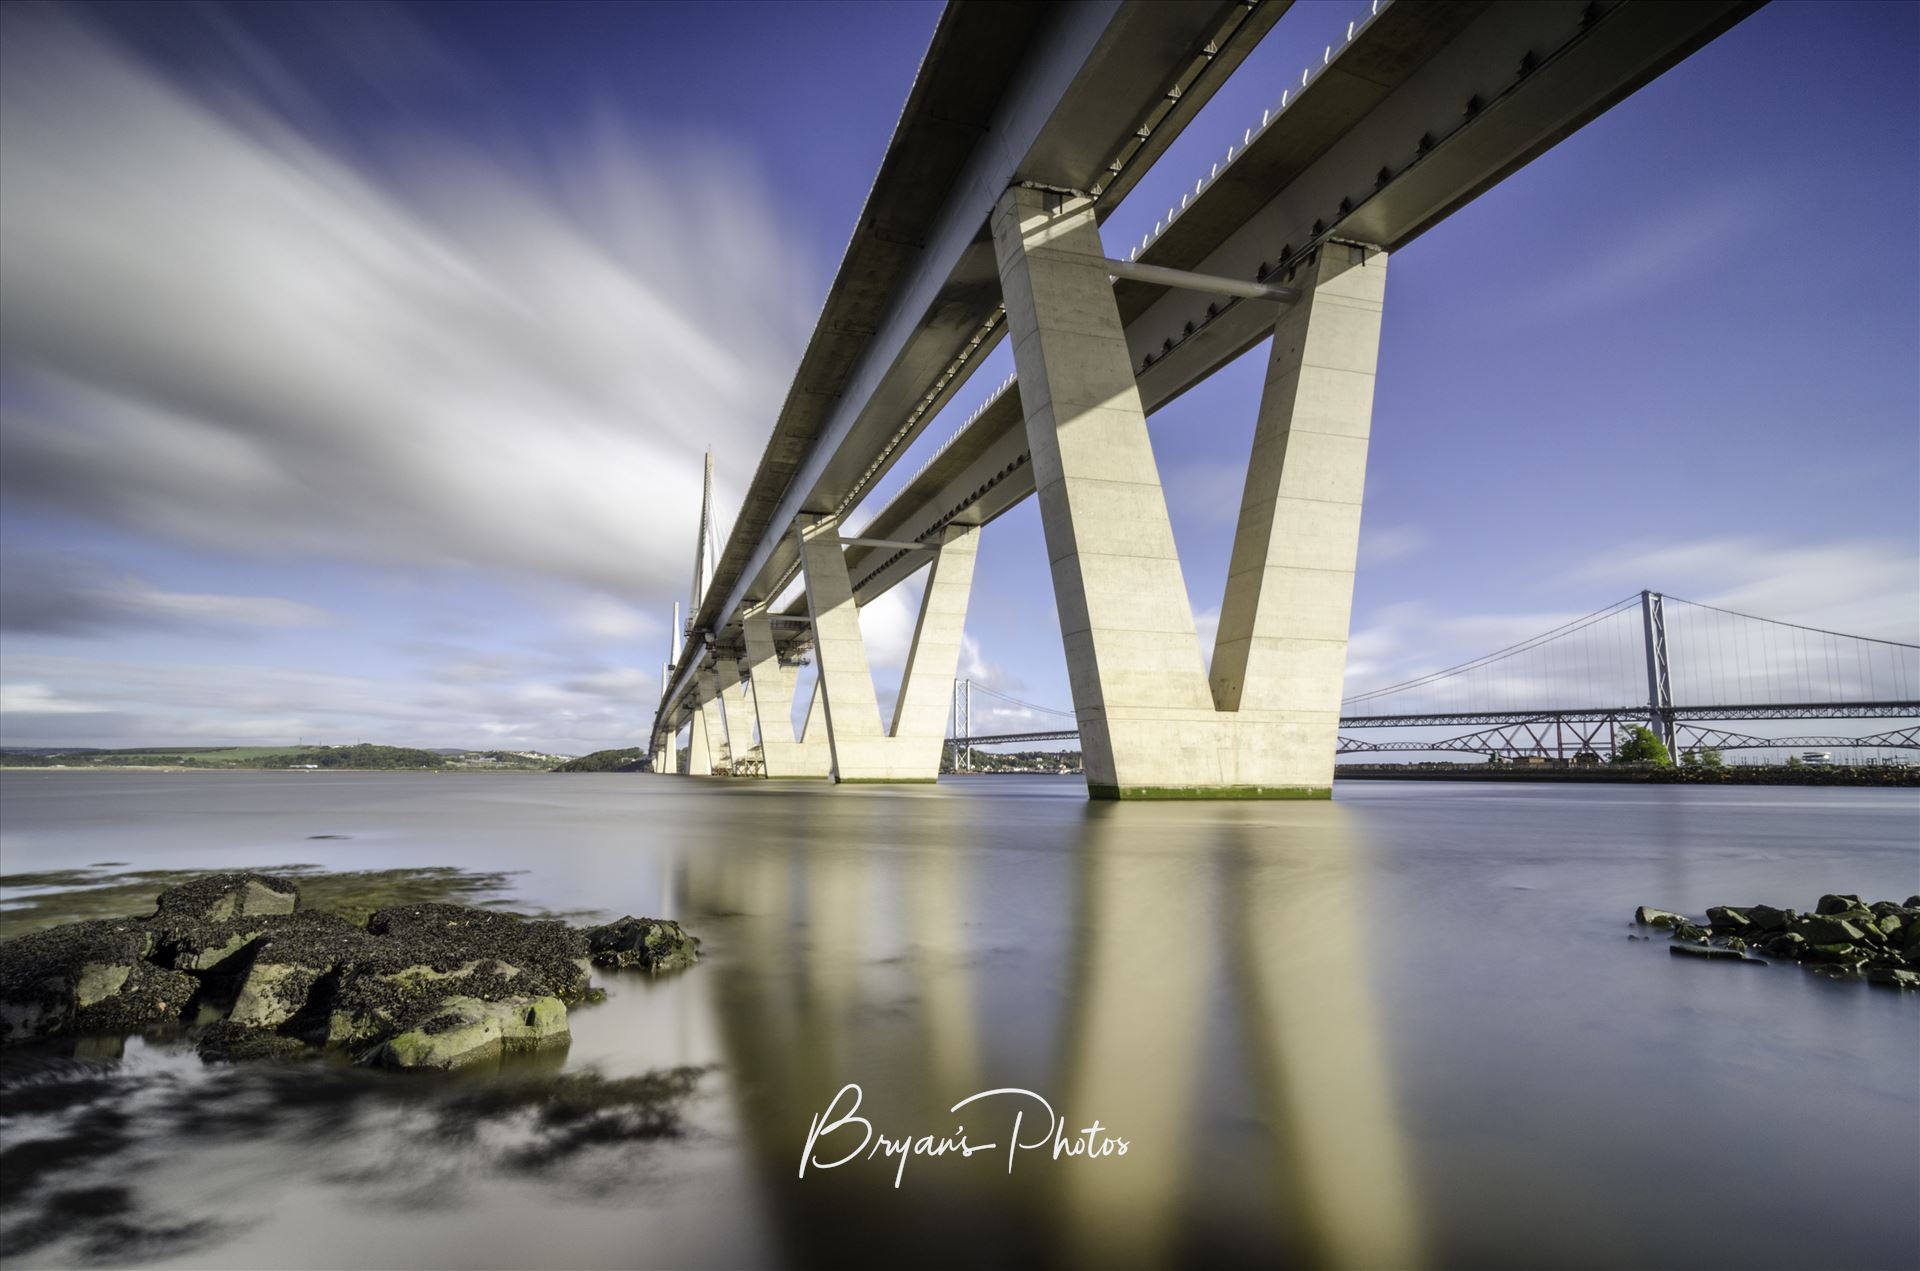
{"points": [[1209, 792]]}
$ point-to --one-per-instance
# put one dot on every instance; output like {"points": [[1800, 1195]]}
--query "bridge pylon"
{"points": [[1153, 724]]}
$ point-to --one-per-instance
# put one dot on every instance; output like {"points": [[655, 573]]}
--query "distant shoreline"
{"points": [[1603, 774]]}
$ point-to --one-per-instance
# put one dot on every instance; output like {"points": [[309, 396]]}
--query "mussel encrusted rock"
{"points": [[647, 944], [1842, 937], [419, 986]]}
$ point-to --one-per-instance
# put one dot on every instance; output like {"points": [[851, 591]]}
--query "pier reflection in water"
{"points": [[1196, 980]]}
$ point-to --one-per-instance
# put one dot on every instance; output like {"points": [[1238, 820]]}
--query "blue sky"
{"points": [[356, 361]]}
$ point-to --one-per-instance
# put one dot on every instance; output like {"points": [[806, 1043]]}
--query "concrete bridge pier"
{"points": [[771, 686], [910, 749], [664, 753], [710, 749], [1153, 724], [738, 712]]}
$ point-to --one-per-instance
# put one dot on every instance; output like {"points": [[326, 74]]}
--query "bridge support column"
{"points": [[739, 715], [663, 755], [699, 754], [772, 689], [710, 749], [910, 749], [1151, 724]]}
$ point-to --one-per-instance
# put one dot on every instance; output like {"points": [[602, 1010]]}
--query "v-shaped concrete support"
{"points": [[1152, 725], [711, 753], [739, 716], [910, 749], [771, 685]]}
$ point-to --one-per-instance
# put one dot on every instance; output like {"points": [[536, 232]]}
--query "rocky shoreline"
{"points": [[1843, 937], [234, 962]]}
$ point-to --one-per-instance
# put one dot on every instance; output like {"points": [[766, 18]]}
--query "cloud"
{"points": [[45, 597], [57, 700], [602, 617], [1390, 542], [38, 699], [1639, 258], [1865, 588], [221, 329], [1207, 491]]}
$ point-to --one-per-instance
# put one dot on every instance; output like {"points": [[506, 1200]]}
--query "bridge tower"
{"points": [[1653, 621], [1154, 723]]}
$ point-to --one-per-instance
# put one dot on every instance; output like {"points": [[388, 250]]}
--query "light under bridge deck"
{"points": [[1423, 108]]}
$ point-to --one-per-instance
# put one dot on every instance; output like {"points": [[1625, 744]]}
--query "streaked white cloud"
{"points": [[1381, 544], [38, 699], [223, 332], [47, 596]]}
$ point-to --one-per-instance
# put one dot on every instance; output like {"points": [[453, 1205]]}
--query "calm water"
{"points": [[1404, 1028]]}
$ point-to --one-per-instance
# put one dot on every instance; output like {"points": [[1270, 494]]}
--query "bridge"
{"points": [[1727, 666], [1025, 127]]}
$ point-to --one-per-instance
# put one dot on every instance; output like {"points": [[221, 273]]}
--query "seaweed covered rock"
{"points": [[1842, 937], [427, 985], [224, 1041], [463, 1030], [323, 980], [86, 977], [208, 924], [649, 944], [295, 968], [551, 954], [217, 897]]}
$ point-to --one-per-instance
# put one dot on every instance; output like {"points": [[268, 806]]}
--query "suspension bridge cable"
{"points": [[1511, 650], [1844, 635], [1008, 697]]}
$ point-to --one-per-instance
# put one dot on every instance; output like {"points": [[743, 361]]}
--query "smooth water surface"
{"points": [[1404, 1028]]}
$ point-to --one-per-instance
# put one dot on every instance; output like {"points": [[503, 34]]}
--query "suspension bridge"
{"points": [[1684, 669]]}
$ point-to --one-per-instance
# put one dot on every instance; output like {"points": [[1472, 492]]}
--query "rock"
{"points": [[1911, 902], [1894, 979], [148, 995], [1820, 931], [1767, 918], [1650, 917], [1727, 918], [446, 936], [464, 1029], [1836, 954], [375, 1001], [300, 955], [1836, 904], [1708, 952], [84, 976], [207, 925], [421, 986], [659, 944], [224, 1041], [1684, 930], [217, 897]]}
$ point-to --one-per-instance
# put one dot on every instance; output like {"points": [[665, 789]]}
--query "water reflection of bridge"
{"points": [[1214, 1008]]}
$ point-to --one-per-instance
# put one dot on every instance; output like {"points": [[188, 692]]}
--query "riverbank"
{"points": [[1608, 774]]}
